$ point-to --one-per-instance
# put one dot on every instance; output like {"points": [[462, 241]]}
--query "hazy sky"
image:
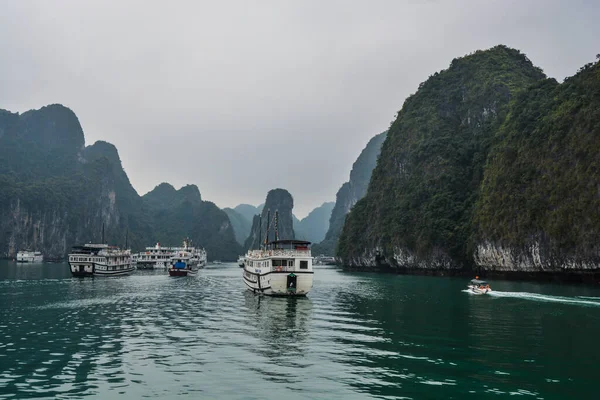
{"points": [[239, 97]]}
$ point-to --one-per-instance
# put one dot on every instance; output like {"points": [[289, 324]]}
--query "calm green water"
{"points": [[356, 336]]}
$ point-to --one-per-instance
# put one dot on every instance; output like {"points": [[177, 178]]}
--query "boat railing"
{"points": [[278, 253]]}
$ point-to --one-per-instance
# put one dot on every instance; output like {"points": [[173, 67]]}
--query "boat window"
{"points": [[303, 264], [290, 263]]}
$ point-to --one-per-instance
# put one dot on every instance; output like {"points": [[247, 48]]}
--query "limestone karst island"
{"points": [[285, 200]]}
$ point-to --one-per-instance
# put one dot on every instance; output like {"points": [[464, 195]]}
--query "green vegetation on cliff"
{"points": [[55, 192], [541, 182], [422, 192]]}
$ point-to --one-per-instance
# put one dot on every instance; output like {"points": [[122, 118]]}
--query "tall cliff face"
{"points": [[314, 226], [350, 192], [419, 206], [279, 200], [177, 214], [55, 193], [539, 208]]}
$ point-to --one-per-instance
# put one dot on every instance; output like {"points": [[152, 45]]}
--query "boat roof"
{"points": [[290, 241], [478, 282], [91, 246]]}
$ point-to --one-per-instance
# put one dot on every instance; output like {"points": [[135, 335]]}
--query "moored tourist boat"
{"points": [[26, 256], [183, 264], [187, 260], [477, 286], [280, 268], [100, 260], [241, 261], [160, 257], [155, 257]]}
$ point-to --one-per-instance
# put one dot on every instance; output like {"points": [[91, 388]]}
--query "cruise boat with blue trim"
{"points": [[187, 260]]}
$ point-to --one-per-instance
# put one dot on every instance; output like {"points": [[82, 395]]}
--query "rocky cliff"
{"points": [[418, 211], [279, 200], [350, 192], [539, 208]]}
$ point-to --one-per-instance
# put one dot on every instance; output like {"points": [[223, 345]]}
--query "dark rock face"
{"points": [[279, 200], [350, 192], [418, 212], [55, 193]]}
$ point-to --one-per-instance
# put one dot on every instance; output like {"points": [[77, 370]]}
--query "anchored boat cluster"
{"points": [[277, 268]]}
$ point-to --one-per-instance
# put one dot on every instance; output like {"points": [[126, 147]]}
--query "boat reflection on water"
{"points": [[281, 322]]}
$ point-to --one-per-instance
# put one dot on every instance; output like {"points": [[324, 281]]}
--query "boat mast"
{"points": [[126, 238], [276, 225], [259, 231], [268, 225], [102, 233]]}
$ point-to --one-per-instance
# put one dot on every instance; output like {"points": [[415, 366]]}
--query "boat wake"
{"points": [[579, 300]]}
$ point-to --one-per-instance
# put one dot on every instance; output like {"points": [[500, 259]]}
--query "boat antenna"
{"points": [[268, 225], [276, 225], [103, 233], [259, 231], [126, 238]]}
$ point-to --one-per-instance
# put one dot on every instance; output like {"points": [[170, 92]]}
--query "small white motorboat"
{"points": [[477, 286]]}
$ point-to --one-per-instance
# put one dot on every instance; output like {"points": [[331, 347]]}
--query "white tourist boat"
{"points": [[160, 257], [100, 260], [280, 268], [241, 261], [183, 264], [477, 286], [26, 256], [155, 257], [187, 260]]}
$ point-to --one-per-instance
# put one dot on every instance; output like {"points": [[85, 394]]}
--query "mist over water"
{"points": [[355, 336]]}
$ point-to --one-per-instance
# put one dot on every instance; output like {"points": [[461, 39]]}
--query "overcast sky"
{"points": [[239, 97]]}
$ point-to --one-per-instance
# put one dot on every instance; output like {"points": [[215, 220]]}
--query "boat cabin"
{"points": [[479, 283], [288, 244]]}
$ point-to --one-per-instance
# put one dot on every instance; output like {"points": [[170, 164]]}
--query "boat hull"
{"points": [[30, 259], [274, 283], [476, 290], [182, 272], [100, 270]]}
